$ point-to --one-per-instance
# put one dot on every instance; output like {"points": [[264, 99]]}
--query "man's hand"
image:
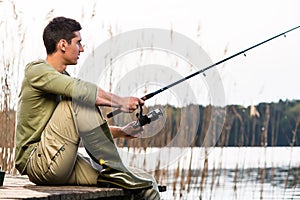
{"points": [[126, 104], [127, 131], [131, 132], [130, 104]]}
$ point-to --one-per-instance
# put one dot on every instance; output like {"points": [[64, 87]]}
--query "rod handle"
{"points": [[113, 113]]}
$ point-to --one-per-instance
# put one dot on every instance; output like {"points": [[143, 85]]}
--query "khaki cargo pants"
{"points": [[55, 160]]}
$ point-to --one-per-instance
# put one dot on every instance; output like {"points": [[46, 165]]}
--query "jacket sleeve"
{"points": [[45, 78]]}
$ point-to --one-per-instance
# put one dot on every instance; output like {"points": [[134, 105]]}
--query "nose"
{"points": [[81, 49]]}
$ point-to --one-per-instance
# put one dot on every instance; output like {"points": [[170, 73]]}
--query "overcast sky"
{"points": [[268, 73]]}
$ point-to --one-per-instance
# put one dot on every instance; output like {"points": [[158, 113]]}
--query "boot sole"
{"points": [[109, 184]]}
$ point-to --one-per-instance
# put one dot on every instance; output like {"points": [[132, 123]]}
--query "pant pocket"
{"points": [[51, 164], [43, 163]]}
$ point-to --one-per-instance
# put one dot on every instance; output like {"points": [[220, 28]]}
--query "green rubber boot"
{"points": [[100, 145], [147, 194]]}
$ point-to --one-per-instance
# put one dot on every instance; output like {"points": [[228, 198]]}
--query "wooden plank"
{"points": [[19, 187]]}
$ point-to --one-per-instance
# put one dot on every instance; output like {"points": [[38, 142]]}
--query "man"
{"points": [[56, 110]]}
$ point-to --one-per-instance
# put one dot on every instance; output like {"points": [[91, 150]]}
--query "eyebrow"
{"points": [[78, 40]]}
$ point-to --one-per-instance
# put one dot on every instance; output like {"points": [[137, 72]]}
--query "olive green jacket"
{"points": [[40, 93]]}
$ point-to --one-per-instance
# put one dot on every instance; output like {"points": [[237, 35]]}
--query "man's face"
{"points": [[73, 50]]}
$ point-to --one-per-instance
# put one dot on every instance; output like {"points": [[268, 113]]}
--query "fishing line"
{"points": [[150, 95]]}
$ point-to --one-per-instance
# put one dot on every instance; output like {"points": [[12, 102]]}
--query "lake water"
{"points": [[221, 173]]}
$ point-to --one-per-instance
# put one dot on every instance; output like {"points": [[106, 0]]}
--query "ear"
{"points": [[62, 45]]}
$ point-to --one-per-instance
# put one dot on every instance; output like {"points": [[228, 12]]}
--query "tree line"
{"points": [[266, 124]]}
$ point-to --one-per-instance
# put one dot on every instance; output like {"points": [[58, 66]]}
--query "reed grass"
{"points": [[184, 181]]}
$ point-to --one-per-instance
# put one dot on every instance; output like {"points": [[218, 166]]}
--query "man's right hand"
{"points": [[130, 104], [125, 104]]}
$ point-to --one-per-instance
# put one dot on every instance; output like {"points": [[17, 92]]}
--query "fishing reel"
{"points": [[148, 118]]}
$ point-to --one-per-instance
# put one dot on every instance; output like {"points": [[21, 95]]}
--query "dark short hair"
{"points": [[57, 29]]}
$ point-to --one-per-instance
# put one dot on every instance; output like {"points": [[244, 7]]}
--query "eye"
{"points": [[79, 44]]}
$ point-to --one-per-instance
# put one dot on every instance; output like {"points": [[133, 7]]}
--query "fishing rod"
{"points": [[150, 95]]}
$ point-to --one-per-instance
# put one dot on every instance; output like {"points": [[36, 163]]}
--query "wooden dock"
{"points": [[19, 187]]}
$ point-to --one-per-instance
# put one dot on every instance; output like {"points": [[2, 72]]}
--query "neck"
{"points": [[56, 63]]}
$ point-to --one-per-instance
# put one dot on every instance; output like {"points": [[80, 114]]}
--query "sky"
{"points": [[267, 73]]}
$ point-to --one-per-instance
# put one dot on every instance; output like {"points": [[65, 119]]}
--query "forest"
{"points": [[266, 124]]}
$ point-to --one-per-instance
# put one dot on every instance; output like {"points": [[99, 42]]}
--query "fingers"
{"points": [[138, 131], [141, 102], [130, 104], [134, 103], [131, 132]]}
